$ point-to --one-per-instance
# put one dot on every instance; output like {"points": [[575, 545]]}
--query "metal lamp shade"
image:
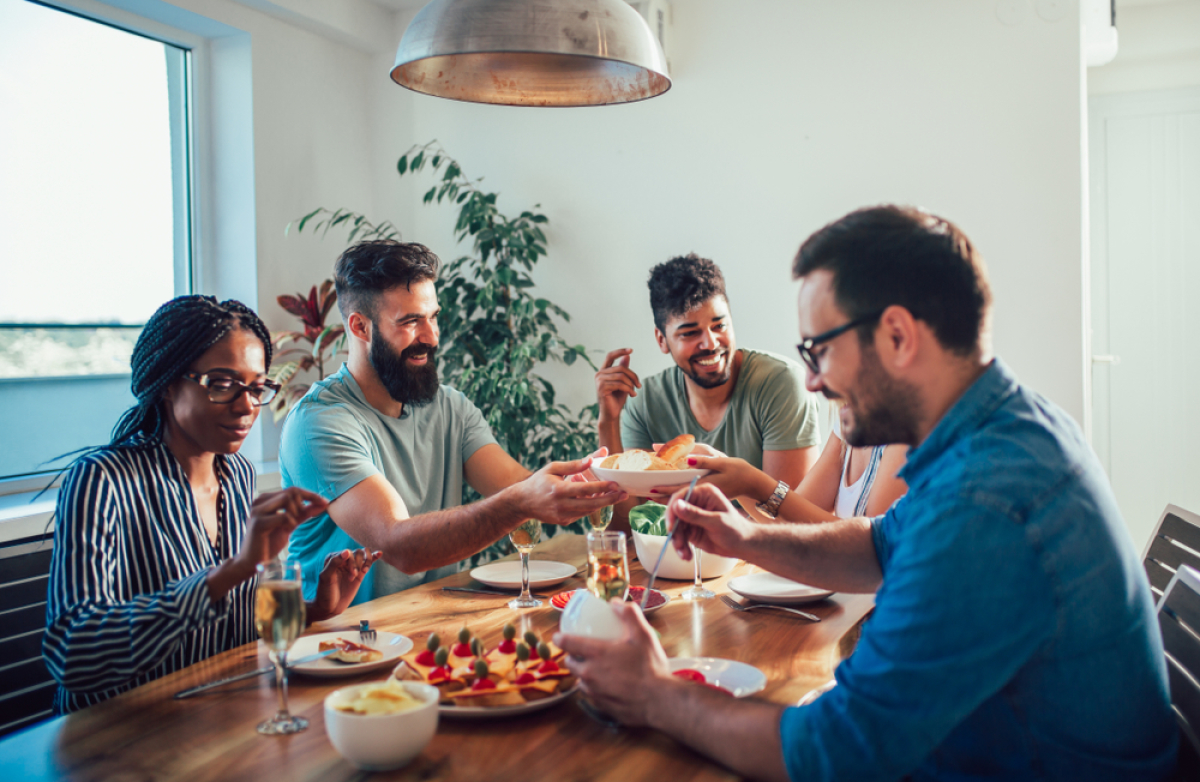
{"points": [[531, 53]]}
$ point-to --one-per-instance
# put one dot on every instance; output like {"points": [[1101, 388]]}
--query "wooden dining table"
{"points": [[145, 734]]}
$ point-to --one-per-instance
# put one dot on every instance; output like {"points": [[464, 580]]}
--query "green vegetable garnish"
{"points": [[464, 635], [522, 652], [433, 642], [441, 657], [649, 519], [510, 632], [477, 647], [481, 669], [544, 650], [531, 638]]}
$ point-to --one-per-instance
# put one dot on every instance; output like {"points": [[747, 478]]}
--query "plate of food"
{"points": [[770, 588], [507, 575], [737, 679], [657, 599], [517, 676], [353, 656], [637, 471]]}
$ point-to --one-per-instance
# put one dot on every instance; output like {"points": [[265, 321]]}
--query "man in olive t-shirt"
{"points": [[745, 403]]}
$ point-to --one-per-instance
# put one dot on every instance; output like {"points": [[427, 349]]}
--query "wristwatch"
{"points": [[770, 508]]}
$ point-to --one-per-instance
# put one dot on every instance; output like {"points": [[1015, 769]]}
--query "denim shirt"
{"points": [[1014, 635]]}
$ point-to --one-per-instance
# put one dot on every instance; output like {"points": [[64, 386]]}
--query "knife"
{"points": [[189, 692], [491, 592]]}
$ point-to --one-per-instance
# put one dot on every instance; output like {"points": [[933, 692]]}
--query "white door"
{"points": [[1145, 266]]}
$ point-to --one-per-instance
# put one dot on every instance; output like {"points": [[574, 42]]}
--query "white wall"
{"points": [[1159, 48], [783, 116]]}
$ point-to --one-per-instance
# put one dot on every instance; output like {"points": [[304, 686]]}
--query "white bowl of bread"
{"points": [[638, 472]]}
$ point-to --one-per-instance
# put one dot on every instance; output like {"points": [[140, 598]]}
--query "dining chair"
{"points": [[1179, 620], [1175, 542]]}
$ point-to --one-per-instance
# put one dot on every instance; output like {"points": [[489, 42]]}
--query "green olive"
{"points": [[477, 647], [481, 669], [441, 656], [531, 638], [544, 650], [433, 642], [464, 635], [522, 652], [510, 632]]}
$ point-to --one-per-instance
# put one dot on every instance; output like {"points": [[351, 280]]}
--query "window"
{"points": [[95, 228]]}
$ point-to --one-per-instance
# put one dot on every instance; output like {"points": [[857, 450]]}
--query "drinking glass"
{"points": [[525, 537], [697, 590], [608, 565], [279, 619], [601, 518]]}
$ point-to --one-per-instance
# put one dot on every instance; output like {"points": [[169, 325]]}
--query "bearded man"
{"points": [[390, 448]]}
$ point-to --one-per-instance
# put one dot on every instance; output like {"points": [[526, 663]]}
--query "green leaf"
{"points": [[402, 166]]}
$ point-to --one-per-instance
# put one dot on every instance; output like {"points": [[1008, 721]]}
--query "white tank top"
{"points": [[852, 499]]}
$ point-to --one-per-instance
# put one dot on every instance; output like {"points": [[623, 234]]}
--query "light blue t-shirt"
{"points": [[333, 440]]}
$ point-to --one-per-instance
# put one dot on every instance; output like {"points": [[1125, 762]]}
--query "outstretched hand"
{"points": [[341, 576], [273, 517], [709, 522], [554, 497]]}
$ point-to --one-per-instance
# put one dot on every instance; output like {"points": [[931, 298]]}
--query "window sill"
{"points": [[22, 518]]}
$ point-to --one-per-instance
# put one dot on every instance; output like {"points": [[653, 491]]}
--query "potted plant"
{"points": [[316, 347]]}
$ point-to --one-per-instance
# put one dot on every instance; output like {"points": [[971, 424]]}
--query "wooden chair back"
{"points": [[1179, 619], [1175, 542]]}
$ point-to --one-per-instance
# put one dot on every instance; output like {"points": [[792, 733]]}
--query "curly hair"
{"points": [[177, 334], [370, 268], [681, 284]]}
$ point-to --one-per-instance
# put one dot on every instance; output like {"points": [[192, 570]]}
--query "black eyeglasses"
{"points": [[223, 389], [806, 347]]}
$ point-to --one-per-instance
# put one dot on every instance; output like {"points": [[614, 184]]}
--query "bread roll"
{"points": [[674, 452]]}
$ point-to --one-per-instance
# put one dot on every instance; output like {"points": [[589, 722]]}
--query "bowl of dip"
{"points": [[382, 726]]}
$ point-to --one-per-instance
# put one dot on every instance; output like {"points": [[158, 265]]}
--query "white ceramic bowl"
{"points": [[674, 568], [639, 482], [385, 741], [589, 616]]}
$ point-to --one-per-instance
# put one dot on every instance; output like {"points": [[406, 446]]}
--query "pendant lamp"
{"points": [[531, 53]]}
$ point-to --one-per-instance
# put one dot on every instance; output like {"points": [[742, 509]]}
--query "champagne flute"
{"points": [[525, 537], [279, 618], [608, 565], [697, 590], [601, 518]]}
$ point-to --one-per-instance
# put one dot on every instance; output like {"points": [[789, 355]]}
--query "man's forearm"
{"points": [[609, 434], [836, 555], [742, 735], [443, 537]]}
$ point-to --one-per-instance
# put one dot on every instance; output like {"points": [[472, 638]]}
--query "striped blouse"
{"points": [[128, 597]]}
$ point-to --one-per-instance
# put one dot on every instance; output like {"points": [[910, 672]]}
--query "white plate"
{"points": [[507, 575], [770, 588], [483, 712], [391, 644], [739, 678], [640, 482]]}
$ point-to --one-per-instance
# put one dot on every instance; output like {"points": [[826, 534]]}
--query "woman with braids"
{"points": [[158, 533]]}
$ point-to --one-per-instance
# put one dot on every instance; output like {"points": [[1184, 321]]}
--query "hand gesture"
{"points": [[709, 522], [615, 383], [552, 496], [734, 477], [582, 477], [341, 575], [273, 516], [619, 676]]}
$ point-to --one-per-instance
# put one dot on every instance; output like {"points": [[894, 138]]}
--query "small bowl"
{"points": [[638, 483], [589, 616], [385, 741], [674, 568]]}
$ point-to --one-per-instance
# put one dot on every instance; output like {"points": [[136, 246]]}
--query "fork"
{"points": [[366, 633], [735, 605]]}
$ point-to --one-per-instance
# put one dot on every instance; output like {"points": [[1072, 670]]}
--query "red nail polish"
{"points": [[691, 461]]}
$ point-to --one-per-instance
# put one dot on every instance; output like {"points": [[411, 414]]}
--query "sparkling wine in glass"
{"points": [[279, 619], [697, 590], [525, 537], [608, 565], [601, 518]]}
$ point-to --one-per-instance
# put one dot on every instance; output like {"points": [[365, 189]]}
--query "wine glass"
{"points": [[608, 565], [525, 537], [697, 590], [279, 618], [601, 518]]}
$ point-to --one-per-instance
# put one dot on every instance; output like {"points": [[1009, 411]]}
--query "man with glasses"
{"points": [[745, 403], [1014, 635]]}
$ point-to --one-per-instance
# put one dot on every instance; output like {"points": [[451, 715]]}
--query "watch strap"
{"points": [[770, 508]]}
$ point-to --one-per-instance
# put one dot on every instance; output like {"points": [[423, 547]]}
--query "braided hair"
{"points": [[177, 334]]}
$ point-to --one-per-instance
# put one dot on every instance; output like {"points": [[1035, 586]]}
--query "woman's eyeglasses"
{"points": [[223, 389], [806, 347]]}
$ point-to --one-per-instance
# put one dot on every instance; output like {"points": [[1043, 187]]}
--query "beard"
{"points": [[408, 386], [885, 410], [709, 381]]}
